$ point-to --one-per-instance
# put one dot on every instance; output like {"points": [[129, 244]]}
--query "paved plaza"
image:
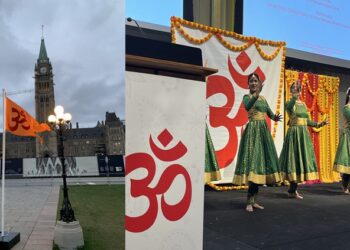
{"points": [[31, 207]]}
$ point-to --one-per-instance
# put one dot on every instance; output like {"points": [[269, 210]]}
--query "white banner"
{"points": [[165, 143], [235, 56], [51, 166]]}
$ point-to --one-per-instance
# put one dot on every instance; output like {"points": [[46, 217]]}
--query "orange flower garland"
{"points": [[178, 24], [233, 47], [280, 92], [226, 188]]}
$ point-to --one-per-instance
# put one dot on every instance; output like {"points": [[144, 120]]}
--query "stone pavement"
{"points": [[33, 214], [31, 207]]}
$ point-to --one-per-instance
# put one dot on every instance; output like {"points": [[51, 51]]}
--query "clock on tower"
{"points": [[43, 70]]}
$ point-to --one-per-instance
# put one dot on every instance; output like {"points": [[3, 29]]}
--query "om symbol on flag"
{"points": [[20, 119]]}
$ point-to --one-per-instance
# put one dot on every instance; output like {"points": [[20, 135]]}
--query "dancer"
{"points": [[297, 160], [257, 161], [342, 157]]}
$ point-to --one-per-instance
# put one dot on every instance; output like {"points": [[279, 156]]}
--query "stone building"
{"points": [[107, 137]]}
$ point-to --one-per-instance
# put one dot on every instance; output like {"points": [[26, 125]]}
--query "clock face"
{"points": [[43, 70]]}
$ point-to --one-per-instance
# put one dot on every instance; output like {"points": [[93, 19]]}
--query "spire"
{"points": [[43, 54]]}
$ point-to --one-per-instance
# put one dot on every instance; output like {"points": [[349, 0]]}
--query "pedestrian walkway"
{"points": [[41, 238], [29, 210]]}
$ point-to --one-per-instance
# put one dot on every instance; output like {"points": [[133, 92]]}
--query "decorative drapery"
{"points": [[235, 56], [320, 93]]}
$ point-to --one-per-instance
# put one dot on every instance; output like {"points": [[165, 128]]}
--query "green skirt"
{"points": [[342, 157], [297, 160], [212, 171], [257, 159]]}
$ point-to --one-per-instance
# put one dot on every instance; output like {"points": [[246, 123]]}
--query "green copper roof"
{"points": [[43, 54]]}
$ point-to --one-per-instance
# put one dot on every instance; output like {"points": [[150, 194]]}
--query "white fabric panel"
{"points": [[153, 104]]}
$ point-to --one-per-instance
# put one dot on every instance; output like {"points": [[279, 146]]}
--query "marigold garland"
{"points": [[233, 47], [226, 188], [193, 39], [280, 93], [178, 24]]}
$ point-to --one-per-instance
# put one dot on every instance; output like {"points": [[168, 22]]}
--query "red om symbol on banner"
{"points": [[141, 187], [218, 116]]}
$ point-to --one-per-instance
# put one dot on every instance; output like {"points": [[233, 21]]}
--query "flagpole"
{"points": [[3, 165]]}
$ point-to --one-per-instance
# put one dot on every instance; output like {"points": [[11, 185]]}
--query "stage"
{"points": [[319, 221]]}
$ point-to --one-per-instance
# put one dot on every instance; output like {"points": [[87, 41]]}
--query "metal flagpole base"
{"points": [[9, 240]]}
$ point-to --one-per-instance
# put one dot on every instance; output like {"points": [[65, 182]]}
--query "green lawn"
{"points": [[100, 210]]}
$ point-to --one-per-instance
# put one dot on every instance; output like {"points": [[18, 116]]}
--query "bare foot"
{"points": [[256, 205], [249, 208], [298, 196], [295, 195], [345, 190]]}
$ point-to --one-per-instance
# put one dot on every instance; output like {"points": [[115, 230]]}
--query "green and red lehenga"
{"points": [[297, 160], [212, 171], [257, 160], [342, 157]]}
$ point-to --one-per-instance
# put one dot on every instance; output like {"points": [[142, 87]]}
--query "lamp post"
{"points": [[107, 168], [60, 121], [68, 232]]}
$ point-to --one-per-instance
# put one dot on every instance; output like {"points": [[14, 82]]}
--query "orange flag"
{"points": [[20, 122]]}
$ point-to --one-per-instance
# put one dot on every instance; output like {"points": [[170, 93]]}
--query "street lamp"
{"points": [[107, 168], [59, 122], [68, 232]]}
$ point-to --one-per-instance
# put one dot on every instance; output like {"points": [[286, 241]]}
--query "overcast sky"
{"points": [[85, 42], [145, 10]]}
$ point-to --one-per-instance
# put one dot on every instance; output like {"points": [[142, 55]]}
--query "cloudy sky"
{"points": [[143, 10], [85, 42]]}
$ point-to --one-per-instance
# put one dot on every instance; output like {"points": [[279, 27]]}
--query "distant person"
{"points": [[297, 160], [257, 161], [342, 157]]}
